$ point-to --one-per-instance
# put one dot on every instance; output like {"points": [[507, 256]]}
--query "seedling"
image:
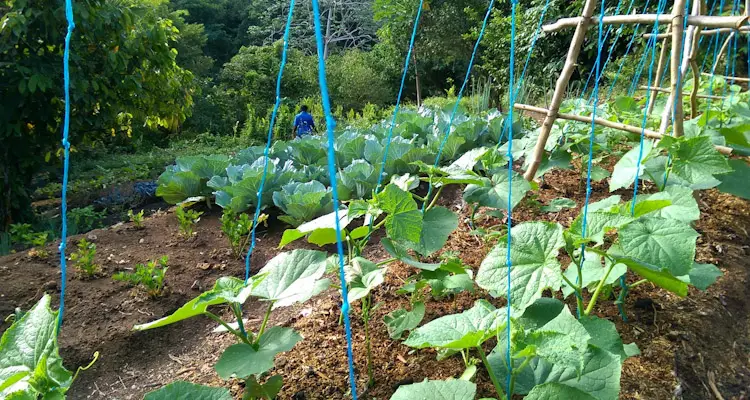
{"points": [[187, 220], [150, 276], [287, 279], [84, 259], [237, 230], [136, 219]]}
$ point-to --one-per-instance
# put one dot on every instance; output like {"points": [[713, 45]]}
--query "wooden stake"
{"points": [[664, 90], [708, 32], [733, 78], [735, 22], [723, 49], [562, 83], [608, 124], [659, 70], [678, 25]]}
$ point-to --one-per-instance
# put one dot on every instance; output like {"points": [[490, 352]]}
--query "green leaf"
{"points": [[654, 274], [363, 275], [268, 390], [562, 341], [29, 359], [598, 223], [557, 391], [226, 289], [453, 389], [624, 173], [494, 192], [303, 202], [683, 206], [598, 173], [176, 186], [242, 360], [534, 249], [460, 331], [403, 220], [736, 182], [322, 237], [292, 277], [604, 335], [704, 275], [400, 320], [437, 225], [559, 204], [188, 391], [696, 160], [401, 253], [324, 224], [592, 272], [665, 243], [605, 205]]}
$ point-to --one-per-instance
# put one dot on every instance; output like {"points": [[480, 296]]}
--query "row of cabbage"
{"points": [[296, 178]]}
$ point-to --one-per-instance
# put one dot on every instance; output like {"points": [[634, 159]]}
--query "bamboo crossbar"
{"points": [[608, 124], [736, 22], [665, 90], [708, 32], [729, 78]]}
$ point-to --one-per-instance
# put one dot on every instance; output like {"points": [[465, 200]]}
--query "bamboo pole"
{"points": [[562, 83], [678, 26], [728, 77], [659, 70], [723, 49], [693, 62], [736, 22], [708, 32], [665, 90], [608, 124]]}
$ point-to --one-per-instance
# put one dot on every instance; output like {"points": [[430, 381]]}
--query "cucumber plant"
{"points": [[287, 279]]}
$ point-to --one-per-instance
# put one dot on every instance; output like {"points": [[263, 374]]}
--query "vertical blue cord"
{"points": [[269, 139], [330, 125], [531, 50], [398, 99], [458, 99], [592, 135], [508, 263], [730, 58], [611, 48], [713, 70], [622, 60], [66, 160]]}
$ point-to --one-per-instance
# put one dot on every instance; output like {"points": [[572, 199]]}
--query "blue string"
{"points": [[66, 160], [508, 263], [269, 139], [592, 134], [398, 99], [611, 51], [606, 36], [713, 70], [530, 52], [330, 125], [458, 99], [622, 60], [730, 58]]}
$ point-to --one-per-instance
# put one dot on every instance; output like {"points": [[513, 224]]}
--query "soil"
{"points": [[697, 347]]}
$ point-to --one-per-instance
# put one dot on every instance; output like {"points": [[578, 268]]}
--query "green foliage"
{"points": [[237, 230], [187, 390], [24, 234], [114, 39], [84, 219], [84, 259], [187, 219], [454, 389], [30, 365], [136, 218], [303, 202], [149, 276]]}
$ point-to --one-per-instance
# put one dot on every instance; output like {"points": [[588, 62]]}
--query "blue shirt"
{"points": [[304, 123]]}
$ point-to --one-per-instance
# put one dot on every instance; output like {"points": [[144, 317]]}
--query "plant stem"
{"points": [[515, 373], [642, 281], [227, 327], [575, 287], [598, 290], [388, 261], [238, 314], [366, 320], [487, 366], [265, 321], [418, 197], [436, 197]]}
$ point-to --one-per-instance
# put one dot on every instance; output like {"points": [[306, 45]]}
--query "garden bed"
{"points": [[694, 347]]}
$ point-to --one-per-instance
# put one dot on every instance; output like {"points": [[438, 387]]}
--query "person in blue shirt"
{"points": [[304, 124]]}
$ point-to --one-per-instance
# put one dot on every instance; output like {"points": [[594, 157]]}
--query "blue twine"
{"points": [[611, 50], [330, 124], [644, 121], [622, 60], [531, 50], [508, 263], [269, 139], [66, 161], [592, 135], [458, 99], [398, 99], [730, 58], [606, 36], [713, 69]]}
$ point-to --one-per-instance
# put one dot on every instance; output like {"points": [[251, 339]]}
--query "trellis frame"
{"points": [[673, 113]]}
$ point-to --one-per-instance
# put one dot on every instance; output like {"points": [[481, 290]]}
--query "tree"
{"points": [[123, 75]]}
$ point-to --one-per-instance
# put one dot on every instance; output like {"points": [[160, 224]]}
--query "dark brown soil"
{"points": [[696, 347]]}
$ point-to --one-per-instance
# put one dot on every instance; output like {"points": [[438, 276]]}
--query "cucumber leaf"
{"points": [[400, 320], [468, 329], [292, 277], [242, 360], [494, 192], [181, 390], [665, 243], [453, 389]]}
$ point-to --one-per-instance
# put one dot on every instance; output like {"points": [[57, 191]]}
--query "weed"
{"points": [[149, 276], [84, 259], [136, 219], [187, 220]]}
